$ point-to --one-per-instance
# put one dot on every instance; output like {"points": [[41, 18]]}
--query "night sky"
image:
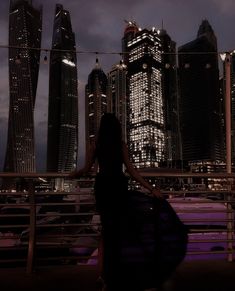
{"points": [[99, 26]]}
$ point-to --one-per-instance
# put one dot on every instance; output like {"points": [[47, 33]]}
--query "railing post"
{"points": [[228, 151], [230, 230], [32, 227]]}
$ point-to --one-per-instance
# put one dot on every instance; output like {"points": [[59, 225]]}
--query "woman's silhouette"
{"points": [[111, 190]]}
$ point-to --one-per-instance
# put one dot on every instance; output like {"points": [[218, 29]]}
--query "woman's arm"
{"points": [[135, 174], [90, 159]]}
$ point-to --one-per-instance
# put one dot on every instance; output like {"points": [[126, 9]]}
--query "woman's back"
{"points": [[110, 159], [109, 146]]}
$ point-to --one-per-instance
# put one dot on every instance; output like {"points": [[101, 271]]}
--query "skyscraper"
{"points": [[25, 26], [232, 105], [145, 130], [117, 93], [130, 31], [200, 99], [170, 99], [62, 144], [96, 100]]}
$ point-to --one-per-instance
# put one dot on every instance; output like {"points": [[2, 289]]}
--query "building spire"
{"points": [[205, 29], [97, 63]]}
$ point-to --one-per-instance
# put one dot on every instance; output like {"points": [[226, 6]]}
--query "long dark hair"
{"points": [[109, 139]]}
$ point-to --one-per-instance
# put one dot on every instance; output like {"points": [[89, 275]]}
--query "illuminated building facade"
{"points": [[96, 101], [200, 98], [117, 93], [25, 26], [130, 31], [62, 141], [146, 137]]}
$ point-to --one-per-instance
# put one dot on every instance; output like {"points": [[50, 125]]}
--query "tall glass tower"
{"points": [[25, 26], [96, 101], [171, 100], [146, 134], [117, 93], [200, 98], [62, 140], [232, 104]]}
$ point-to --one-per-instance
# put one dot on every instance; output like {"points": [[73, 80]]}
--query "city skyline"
{"points": [[92, 35]]}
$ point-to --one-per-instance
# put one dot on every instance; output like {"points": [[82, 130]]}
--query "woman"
{"points": [[111, 192]]}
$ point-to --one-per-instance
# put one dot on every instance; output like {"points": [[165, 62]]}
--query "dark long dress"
{"points": [[111, 188], [144, 240]]}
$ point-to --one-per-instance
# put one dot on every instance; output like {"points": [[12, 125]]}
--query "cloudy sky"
{"points": [[99, 26]]}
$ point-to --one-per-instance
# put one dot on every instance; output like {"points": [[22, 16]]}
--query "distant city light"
{"points": [[223, 56], [68, 62]]}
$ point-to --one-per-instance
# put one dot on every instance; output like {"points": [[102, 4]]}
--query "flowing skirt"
{"points": [[144, 240]]}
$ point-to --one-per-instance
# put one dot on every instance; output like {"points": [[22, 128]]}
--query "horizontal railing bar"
{"points": [[176, 193], [78, 193], [66, 258], [13, 260], [210, 252], [212, 241], [64, 203], [157, 174], [205, 230], [49, 215], [69, 235], [14, 215], [209, 210], [206, 220], [66, 214], [91, 192], [18, 193], [15, 248], [9, 237], [183, 219], [52, 245], [15, 225], [187, 201], [67, 224], [95, 213], [95, 224], [84, 245], [15, 204], [162, 174]]}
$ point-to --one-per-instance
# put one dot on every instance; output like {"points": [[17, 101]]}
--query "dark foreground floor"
{"points": [[190, 276]]}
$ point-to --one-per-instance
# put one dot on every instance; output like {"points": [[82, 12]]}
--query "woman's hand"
{"points": [[156, 193]]}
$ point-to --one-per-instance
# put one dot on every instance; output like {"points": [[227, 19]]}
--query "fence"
{"points": [[60, 226]]}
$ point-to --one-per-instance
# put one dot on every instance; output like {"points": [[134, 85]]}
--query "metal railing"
{"points": [[60, 227]]}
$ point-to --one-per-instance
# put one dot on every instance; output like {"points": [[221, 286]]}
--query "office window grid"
{"points": [[146, 115]]}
